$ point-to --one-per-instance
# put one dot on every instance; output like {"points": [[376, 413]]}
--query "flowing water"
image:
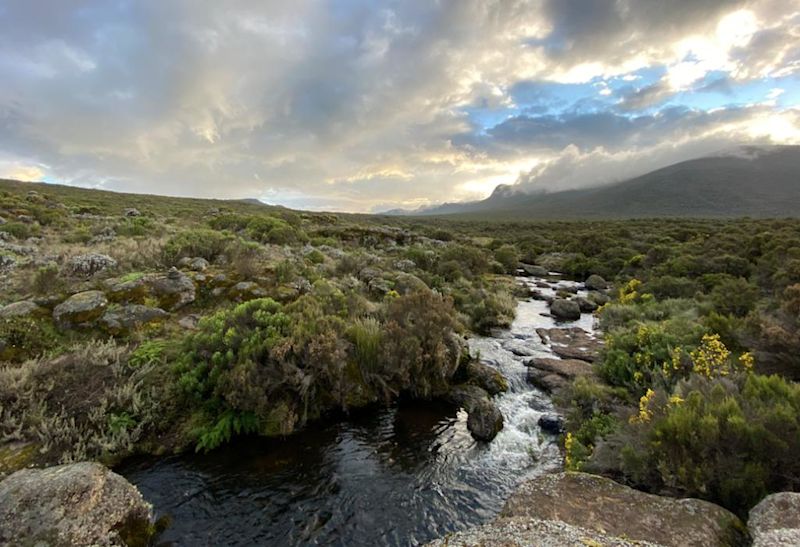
{"points": [[397, 475]]}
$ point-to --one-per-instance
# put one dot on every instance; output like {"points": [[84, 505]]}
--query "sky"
{"points": [[367, 105]]}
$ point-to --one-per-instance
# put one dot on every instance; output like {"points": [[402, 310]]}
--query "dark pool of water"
{"points": [[399, 475]]}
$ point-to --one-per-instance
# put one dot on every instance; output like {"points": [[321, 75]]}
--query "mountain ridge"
{"points": [[746, 181]]}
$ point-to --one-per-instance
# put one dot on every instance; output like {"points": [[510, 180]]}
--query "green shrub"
{"points": [[20, 230], [23, 338], [508, 256], [730, 441], [204, 243]]}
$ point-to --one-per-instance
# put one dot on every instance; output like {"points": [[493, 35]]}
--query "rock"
{"points": [[405, 265], [80, 309], [7, 263], [75, 504], [776, 520], [246, 290], [528, 532], [90, 264], [586, 305], [106, 234], [542, 285], [25, 308], [601, 299], [487, 377], [130, 317], [132, 212], [189, 322], [571, 343], [184, 262], [408, 283], [596, 283], [485, 420], [132, 290], [552, 374], [602, 505], [565, 309], [199, 264], [27, 219], [552, 424], [533, 271], [173, 290]]}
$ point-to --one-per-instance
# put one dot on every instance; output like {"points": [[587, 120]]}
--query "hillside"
{"points": [[757, 182]]}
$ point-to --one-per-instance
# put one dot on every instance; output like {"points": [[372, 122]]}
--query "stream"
{"points": [[394, 475]]}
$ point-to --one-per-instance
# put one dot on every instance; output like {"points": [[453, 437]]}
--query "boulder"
{"points": [[173, 290], [199, 264], [126, 318], [565, 309], [571, 343], [550, 423], [132, 212], [90, 264], [552, 375], [487, 377], [80, 309], [485, 420], [599, 298], [596, 283], [776, 520], [586, 305], [131, 290], [24, 308], [75, 504], [533, 270], [601, 505], [246, 290], [189, 322], [528, 532], [7, 262]]}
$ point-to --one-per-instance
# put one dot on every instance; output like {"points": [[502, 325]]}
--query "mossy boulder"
{"points": [[596, 283], [75, 504], [567, 310], [24, 308], [173, 290], [80, 309], [131, 289], [124, 319]]}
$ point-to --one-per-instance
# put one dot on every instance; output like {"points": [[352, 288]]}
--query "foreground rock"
{"points": [[75, 504], [526, 532], [601, 505], [484, 420], [596, 283], [80, 309], [90, 264], [571, 343], [552, 374], [567, 310], [486, 377], [776, 520]]}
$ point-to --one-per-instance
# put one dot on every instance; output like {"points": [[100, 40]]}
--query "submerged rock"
{"points": [[80, 309], [565, 309], [601, 505], [776, 520], [74, 504]]}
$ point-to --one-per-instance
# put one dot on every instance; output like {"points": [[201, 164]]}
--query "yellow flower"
{"points": [[747, 361], [711, 357], [675, 400], [645, 414]]}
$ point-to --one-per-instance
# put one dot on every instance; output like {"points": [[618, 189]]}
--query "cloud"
{"points": [[346, 105]]}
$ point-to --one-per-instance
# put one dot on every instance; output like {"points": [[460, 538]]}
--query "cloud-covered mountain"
{"points": [[745, 181]]}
